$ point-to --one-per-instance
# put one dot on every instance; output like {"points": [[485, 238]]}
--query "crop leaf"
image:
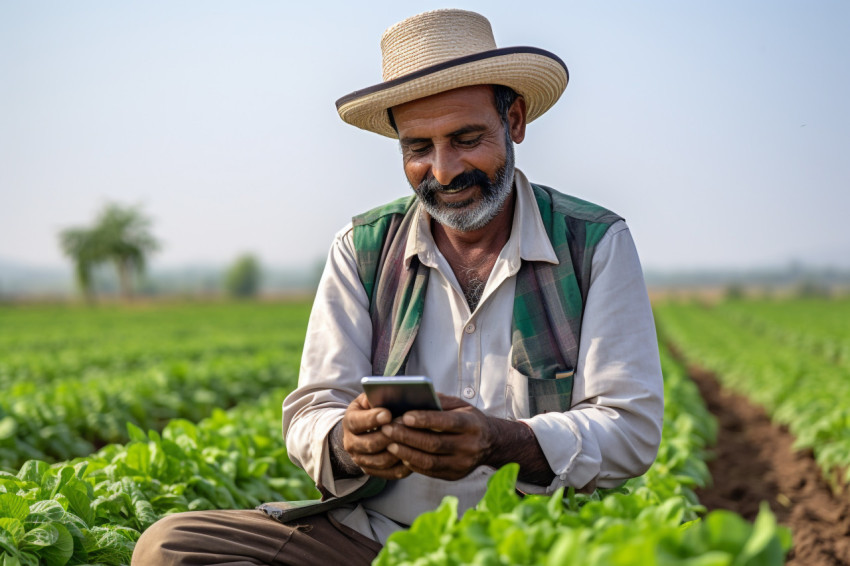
{"points": [[13, 506], [46, 511], [8, 427], [12, 527], [763, 548], [7, 559], [52, 542], [515, 546], [79, 496], [62, 478], [33, 471], [423, 537], [135, 433], [565, 549], [501, 496], [138, 458]]}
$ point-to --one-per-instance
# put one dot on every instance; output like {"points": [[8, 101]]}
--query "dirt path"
{"points": [[754, 462]]}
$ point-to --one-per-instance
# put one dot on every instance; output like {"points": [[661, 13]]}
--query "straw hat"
{"points": [[446, 49]]}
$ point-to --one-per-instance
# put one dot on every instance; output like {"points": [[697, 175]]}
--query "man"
{"points": [[525, 306]]}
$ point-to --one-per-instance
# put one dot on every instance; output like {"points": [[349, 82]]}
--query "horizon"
{"points": [[718, 131]]}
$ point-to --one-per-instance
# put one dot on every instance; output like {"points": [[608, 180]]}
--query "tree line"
{"points": [[122, 236]]}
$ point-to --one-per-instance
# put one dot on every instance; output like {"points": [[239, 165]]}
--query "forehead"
{"points": [[459, 107]]}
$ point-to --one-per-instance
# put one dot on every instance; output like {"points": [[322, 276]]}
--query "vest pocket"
{"points": [[550, 395], [529, 396]]}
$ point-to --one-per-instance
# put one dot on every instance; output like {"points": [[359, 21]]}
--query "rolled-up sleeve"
{"points": [[613, 429], [336, 355]]}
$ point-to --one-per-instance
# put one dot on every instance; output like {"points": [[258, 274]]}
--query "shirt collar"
{"points": [[528, 241]]}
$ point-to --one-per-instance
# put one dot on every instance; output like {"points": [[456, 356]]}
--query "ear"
{"points": [[516, 119]]}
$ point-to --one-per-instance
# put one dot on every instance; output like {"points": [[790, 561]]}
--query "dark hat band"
{"points": [[447, 65]]}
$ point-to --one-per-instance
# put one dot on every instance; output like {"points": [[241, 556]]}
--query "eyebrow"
{"points": [[459, 132]]}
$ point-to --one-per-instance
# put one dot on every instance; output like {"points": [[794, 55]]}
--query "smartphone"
{"points": [[401, 393]]}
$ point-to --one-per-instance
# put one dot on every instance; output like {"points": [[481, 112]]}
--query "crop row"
{"points": [[800, 385], [71, 417], [92, 510], [65, 400], [651, 520], [41, 343], [815, 326]]}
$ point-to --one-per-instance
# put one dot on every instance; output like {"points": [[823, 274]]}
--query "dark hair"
{"points": [[504, 97]]}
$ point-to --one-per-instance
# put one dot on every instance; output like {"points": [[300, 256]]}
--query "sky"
{"points": [[719, 130]]}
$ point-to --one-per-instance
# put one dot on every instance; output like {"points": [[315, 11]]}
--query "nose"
{"points": [[446, 164]]}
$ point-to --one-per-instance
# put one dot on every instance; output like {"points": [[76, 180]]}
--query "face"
{"points": [[458, 155]]}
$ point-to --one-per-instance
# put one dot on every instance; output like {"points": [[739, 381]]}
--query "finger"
{"points": [[381, 461], [366, 443], [397, 472], [360, 417], [452, 467], [440, 421], [448, 402], [362, 401], [422, 440]]}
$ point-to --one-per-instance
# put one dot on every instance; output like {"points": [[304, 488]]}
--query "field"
{"points": [[777, 375], [113, 417]]}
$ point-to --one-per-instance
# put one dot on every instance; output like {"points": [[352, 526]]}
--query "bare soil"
{"points": [[754, 462]]}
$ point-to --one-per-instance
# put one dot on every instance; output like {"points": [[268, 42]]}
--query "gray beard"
{"points": [[474, 216]]}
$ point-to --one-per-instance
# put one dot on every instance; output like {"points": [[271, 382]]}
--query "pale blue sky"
{"points": [[720, 130]]}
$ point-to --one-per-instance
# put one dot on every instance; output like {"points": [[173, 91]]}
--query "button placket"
{"points": [[469, 355]]}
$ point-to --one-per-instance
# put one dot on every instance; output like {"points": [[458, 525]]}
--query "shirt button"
{"points": [[468, 392], [470, 328]]}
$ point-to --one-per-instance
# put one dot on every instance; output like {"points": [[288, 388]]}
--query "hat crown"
{"points": [[432, 38]]}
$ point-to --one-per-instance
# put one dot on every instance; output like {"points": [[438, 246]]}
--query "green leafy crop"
{"points": [[651, 520], [790, 356]]}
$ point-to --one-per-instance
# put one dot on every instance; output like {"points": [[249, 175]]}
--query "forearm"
{"points": [[336, 354], [514, 441]]}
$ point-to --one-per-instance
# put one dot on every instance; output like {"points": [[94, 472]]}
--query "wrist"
{"points": [[342, 465], [504, 438], [515, 441]]}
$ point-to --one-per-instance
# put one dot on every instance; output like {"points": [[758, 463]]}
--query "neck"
{"points": [[490, 238], [472, 255]]}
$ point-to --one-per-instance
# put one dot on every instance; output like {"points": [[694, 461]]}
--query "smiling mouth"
{"points": [[453, 191]]}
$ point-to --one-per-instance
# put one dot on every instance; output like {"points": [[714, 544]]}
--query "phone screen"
{"points": [[401, 394]]}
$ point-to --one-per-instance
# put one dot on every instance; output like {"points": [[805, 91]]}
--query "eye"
{"points": [[418, 148], [468, 142]]}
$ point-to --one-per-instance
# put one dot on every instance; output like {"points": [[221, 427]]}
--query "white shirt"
{"points": [[611, 432]]}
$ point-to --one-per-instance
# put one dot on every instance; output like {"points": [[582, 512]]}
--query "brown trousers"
{"points": [[249, 537]]}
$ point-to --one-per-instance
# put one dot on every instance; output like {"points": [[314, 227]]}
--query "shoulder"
{"points": [[398, 206], [572, 207]]}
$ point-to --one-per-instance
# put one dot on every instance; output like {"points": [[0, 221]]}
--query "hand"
{"points": [[445, 444], [366, 443]]}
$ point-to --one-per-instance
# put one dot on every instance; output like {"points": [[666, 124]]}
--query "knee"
{"points": [[161, 543]]}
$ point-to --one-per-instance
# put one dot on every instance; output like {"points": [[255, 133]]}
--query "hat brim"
{"points": [[538, 75]]}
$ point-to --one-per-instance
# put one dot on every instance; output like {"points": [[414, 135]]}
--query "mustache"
{"points": [[464, 180]]}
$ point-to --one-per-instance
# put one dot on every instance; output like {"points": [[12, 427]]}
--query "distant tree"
{"points": [[121, 236], [734, 292], [812, 289], [242, 279], [123, 233], [80, 245]]}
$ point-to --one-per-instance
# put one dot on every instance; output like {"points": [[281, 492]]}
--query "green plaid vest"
{"points": [[548, 306], [548, 303]]}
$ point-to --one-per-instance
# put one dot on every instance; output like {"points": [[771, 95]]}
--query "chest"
{"points": [[467, 354], [472, 273]]}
